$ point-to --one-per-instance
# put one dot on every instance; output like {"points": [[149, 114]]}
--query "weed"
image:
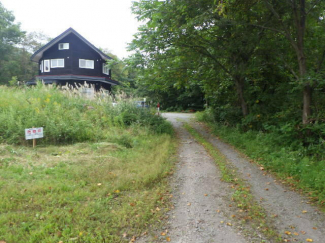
{"points": [[92, 178]]}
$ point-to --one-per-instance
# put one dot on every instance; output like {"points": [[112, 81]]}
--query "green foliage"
{"points": [[68, 118], [10, 34], [13, 81], [257, 63]]}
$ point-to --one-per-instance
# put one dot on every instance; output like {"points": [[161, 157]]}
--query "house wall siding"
{"points": [[77, 50]]}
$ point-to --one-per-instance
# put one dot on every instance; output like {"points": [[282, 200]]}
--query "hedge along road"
{"points": [[202, 202]]}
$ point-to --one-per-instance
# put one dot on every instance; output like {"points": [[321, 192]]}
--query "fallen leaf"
{"points": [[163, 233], [303, 232], [189, 204], [206, 195], [261, 168], [304, 211], [309, 240], [99, 184], [233, 216], [124, 235], [295, 233], [168, 239], [221, 222], [133, 239], [287, 232], [229, 224], [314, 228], [117, 191], [157, 209], [266, 189], [218, 211]]}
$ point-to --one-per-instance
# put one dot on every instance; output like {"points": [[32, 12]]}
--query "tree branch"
{"points": [[285, 30]]}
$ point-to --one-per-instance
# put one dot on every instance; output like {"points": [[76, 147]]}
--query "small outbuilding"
{"points": [[71, 59]]}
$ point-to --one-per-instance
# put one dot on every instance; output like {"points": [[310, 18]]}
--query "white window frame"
{"points": [[55, 63], [64, 46], [48, 65], [105, 69], [89, 64], [41, 66]]}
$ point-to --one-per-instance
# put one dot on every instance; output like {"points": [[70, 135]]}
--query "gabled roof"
{"points": [[39, 53]]}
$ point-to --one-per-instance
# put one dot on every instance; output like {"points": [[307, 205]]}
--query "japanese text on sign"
{"points": [[33, 133]]}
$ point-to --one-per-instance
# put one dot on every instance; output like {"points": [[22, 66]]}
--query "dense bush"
{"points": [[67, 117]]}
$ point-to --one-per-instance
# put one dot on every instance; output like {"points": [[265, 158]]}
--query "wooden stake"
{"points": [[34, 142]]}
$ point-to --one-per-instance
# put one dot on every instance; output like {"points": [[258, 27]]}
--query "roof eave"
{"points": [[39, 53]]}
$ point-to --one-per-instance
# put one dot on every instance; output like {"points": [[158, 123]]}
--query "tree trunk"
{"points": [[300, 21], [307, 98], [240, 91]]}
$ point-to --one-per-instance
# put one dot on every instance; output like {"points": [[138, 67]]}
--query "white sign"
{"points": [[33, 133]]}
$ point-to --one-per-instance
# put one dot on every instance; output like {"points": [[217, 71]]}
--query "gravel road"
{"points": [[201, 200]]}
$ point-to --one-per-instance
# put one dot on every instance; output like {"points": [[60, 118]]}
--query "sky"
{"points": [[107, 24]]}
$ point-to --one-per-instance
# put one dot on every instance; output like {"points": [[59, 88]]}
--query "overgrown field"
{"points": [[290, 161], [99, 174]]}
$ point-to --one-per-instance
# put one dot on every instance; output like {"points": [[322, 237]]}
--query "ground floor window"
{"points": [[83, 63], [47, 66], [105, 69], [57, 63]]}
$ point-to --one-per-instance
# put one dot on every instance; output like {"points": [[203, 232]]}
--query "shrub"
{"points": [[65, 116]]}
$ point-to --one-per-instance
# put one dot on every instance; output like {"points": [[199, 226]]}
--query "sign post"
{"points": [[158, 108], [34, 133]]}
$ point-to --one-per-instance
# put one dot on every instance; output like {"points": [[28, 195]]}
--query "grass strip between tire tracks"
{"points": [[250, 212]]}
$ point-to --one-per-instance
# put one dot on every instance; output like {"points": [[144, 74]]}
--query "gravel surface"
{"points": [[201, 200], [293, 211], [199, 194]]}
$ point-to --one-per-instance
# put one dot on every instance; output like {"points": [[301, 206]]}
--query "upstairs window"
{"points": [[105, 69], [83, 63], [57, 63], [63, 46]]}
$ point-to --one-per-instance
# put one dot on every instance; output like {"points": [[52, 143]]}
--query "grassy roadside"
{"points": [[300, 172], [98, 175], [86, 192], [249, 212]]}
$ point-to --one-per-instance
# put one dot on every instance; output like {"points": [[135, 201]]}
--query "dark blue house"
{"points": [[71, 59]]}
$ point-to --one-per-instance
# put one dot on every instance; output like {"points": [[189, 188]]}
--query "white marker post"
{"points": [[34, 133]]}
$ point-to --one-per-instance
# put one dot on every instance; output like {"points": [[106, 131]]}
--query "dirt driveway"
{"points": [[201, 200]]}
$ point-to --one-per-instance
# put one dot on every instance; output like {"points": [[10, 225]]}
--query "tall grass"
{"points": [[67, 117], [99, 174]]}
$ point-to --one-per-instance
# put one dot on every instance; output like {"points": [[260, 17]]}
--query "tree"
{"points": [[300, 21], [187, 38], [10, 34]]}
